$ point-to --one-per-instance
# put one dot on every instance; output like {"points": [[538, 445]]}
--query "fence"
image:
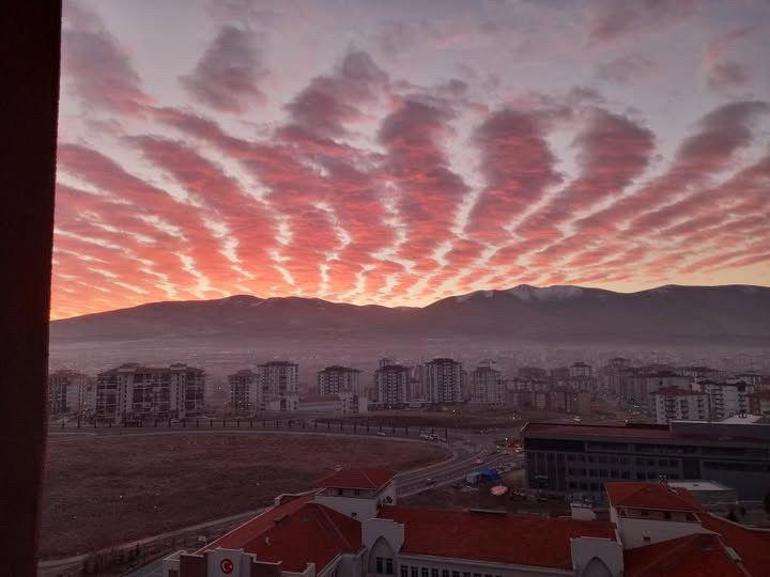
{"points": [[255, 424]]}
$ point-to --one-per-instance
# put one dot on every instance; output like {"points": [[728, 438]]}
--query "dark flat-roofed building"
{"points": [[576, 460]]}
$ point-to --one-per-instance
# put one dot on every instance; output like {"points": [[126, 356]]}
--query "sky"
{"points": [[400, 152]]}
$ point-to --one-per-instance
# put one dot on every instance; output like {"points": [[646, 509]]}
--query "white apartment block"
{"points": [[445, 381], [245, 392], [278, 383], [71, 392], [487, 386], [725, 399], [391, 385], [337, 379], [136, 392], [677, 404]]}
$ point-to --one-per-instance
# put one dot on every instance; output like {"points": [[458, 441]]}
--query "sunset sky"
{"points": [[396, 152]]}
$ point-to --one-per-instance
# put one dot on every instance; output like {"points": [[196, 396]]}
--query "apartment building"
{"points": [[71, 393], [445, 381], [487, 386], [137, 392], [337, 379], [759, 402], [391, 385], [278, 383], [245, 392], [576, 460], [725, 398], [678, 404], [639, 385], [352, 526]]}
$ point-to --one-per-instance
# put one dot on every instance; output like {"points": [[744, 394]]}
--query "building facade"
{"points": [[677, 404], [576, 460], [337, 379], [487, 386], [445, 381], [136, 392], [391, 385], [278, 382], [71, 393], [725, 398], [245, 392]]}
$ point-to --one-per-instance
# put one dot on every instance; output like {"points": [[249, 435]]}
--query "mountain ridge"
{"points": [[558, 313]]}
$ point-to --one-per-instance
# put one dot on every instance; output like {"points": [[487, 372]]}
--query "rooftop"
{"points": [[700, 555], [494, 537], [654, 496], [296, 534], [677, 431]]}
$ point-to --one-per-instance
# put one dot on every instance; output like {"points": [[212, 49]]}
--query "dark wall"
{"points": [[29, 68]]}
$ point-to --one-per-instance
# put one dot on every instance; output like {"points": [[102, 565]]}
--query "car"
{"points": [[430, 481], [382, 434]]}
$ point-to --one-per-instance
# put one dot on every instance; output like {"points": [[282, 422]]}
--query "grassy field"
{"points": [[105, 490]]}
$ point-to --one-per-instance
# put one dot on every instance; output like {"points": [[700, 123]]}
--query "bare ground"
{"points": [[107, 490]]}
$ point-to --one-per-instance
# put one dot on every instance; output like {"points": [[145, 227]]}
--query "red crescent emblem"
{"points": [[226, 566]]}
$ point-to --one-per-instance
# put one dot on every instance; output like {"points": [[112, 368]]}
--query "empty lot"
{"points": [[110, 489]]}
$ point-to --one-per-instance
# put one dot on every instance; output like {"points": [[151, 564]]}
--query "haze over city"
{"points": [[399, 152]]}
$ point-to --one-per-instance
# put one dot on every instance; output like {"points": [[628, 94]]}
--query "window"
{"points": [[434, 573], [424, 572], [389, 566], [380, 565], [455, 574], [413, 572], [445, 573], [404, 571]]}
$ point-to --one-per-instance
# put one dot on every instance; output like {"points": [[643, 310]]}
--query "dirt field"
{"points": [[112, 489]]}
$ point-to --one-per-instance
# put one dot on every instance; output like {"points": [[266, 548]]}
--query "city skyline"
{"points": [[397, 153]]}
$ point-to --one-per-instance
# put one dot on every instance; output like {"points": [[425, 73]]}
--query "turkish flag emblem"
{"points": [[226, 566]]}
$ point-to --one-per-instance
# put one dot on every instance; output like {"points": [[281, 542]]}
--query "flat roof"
{"points": [[696, 485], [638, 432]]}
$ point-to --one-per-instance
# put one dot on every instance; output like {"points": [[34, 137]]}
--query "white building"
{"points": [[445, 381], [136, 392], [352, 526], [337, 379], [678, 404], [725, 398], [391, 385], [487, 386], [71, 392]]}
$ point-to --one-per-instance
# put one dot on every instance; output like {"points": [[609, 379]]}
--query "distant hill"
{"points": [[730, 315]]}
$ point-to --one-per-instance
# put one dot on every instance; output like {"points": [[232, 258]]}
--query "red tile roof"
{"points": [[753, 545], [313, 534], [295, 533], [654, 496], [357, 479], [251, 529], [502, 538], [699, 555]]}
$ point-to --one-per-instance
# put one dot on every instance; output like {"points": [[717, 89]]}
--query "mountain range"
{"points": [[732, 315]]}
